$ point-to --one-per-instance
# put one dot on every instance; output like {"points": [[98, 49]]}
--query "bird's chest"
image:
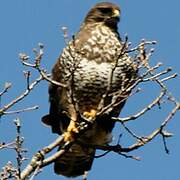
{"points": [[89, 63], [92, 80], [98, 56], [93, 77]]}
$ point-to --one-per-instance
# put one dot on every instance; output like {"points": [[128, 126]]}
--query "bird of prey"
{"points": [[95, 74]]}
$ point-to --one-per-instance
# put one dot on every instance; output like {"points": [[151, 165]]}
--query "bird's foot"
{"points": [[89, 115], [71, 131]]}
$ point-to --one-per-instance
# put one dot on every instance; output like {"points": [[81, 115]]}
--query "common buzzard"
{"points": [[94, 71]]}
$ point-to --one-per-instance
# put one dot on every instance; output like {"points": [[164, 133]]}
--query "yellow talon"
{"points": [[68, 137], [90, 115], [72, 127], [71, 130]]}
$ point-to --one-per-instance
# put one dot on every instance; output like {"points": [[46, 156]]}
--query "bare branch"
{"points": [[21, 110], [7, 145], [22, 96], [6, 87], [36, 65], [169, 77], [141, 141], [143, 43], [148, 75], [37, 159], [143, 111], [18, 147], [157, 75]]}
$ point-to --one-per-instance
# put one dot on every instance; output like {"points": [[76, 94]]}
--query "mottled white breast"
{"points": [[91, 64]]}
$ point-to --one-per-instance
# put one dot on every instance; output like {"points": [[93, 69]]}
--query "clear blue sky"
{"points": [[24, 23]]}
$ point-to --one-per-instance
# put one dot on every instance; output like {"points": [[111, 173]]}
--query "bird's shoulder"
{"points": [[93, 34], [95, 42]]}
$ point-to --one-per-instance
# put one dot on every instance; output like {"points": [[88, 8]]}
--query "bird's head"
{"points": [[104, 12]]}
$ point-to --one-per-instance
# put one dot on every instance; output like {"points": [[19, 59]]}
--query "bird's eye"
{"points": [[106, 10]]}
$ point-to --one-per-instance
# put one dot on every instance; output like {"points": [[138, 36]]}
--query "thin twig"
{"points": [[143, 111], [169, 77], [6, 87], [18, 147], [21, 110], [7, 145], [39, 156], [22, 96], [158, 75]]}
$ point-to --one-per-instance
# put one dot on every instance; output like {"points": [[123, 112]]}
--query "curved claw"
{"points": [[90, 114]]}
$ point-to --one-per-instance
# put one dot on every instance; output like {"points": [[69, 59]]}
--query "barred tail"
{"points": [[75, 161]]}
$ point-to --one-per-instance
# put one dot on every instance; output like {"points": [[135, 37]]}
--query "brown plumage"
{"points": [[85, 65]]}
